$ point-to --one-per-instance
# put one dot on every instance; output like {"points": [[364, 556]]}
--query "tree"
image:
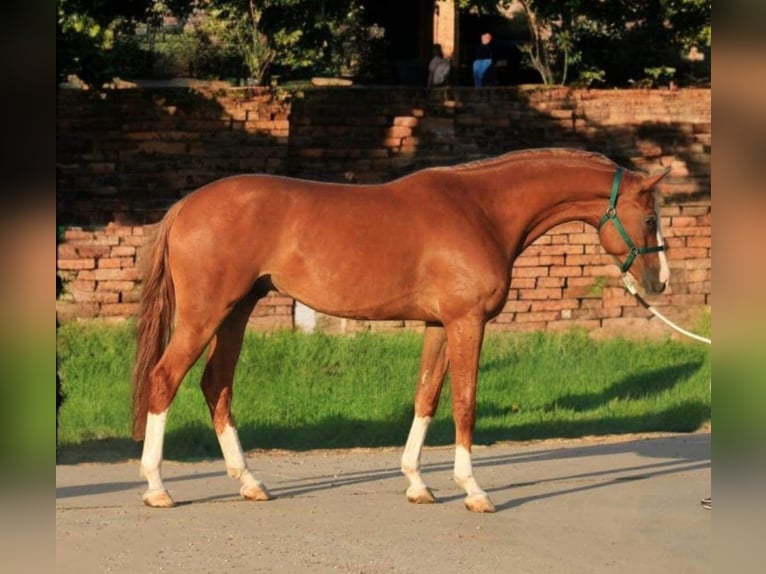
{"points": [[616, 40], [98, 39]]}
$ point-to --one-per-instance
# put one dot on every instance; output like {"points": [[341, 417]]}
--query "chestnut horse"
{"points": [[437, 246]]}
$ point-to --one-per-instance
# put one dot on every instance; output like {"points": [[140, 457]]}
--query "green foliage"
{"points": [[99, 40], [322, 391], [656, 77], [591, 43], [590, 77], [609, 42]]}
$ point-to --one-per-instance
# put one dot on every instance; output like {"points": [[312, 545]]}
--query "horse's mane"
{"points": [[521, 155]]}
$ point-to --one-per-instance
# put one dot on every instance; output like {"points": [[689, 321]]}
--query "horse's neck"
{"points": [[527, 207]]}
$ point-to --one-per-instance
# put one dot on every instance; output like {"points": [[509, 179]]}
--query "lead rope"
{"points": [[631, 287]]}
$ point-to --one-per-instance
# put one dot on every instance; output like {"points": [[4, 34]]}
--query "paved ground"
{"points": [[618, 504]]}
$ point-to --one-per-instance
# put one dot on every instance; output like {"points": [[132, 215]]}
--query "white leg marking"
{"points": [[236, 465], [232, 451], [414, 447], [464, 472], [411, 455], [151, 458]]}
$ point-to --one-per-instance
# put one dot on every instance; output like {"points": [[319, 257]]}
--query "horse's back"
{"points": [[368, 251]]}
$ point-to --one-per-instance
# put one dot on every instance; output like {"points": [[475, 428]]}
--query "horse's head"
{"points": [[630, 229]]}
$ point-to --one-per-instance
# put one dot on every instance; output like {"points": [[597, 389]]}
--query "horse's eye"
{"points": [[651, 223]]}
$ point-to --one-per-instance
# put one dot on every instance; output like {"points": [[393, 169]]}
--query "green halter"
{"points": [[611, 215]]}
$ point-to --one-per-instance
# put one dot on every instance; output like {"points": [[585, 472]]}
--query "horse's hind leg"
{"points": [[185, 346], [433, 366], [217, 386]]}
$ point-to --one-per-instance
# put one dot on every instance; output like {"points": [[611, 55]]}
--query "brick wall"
{"points": [[125, 156]]}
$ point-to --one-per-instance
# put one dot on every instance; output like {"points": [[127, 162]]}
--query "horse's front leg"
{"points": [[465, 339], [433, 366]]}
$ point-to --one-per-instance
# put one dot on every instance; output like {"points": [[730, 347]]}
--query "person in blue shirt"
{"points": [[482, 62]]}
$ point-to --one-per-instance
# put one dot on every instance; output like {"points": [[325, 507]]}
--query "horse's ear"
{"points": [[651, 180]]}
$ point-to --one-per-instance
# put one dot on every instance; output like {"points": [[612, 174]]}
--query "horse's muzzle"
{"points": [[652, 284]]}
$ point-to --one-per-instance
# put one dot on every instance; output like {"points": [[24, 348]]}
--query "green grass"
{"points": [[298, 391]]}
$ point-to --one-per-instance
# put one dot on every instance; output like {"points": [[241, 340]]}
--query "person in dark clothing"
{"points": [[482, 62]]}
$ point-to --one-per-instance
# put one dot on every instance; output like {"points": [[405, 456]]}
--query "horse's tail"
{"points": [[154, 321]]}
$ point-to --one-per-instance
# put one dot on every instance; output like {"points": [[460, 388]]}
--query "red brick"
{"points": [[582, 292], [673, 242], [693, 275], [687, 299], [580, 281], [537, 316], [540, 293], [80, 285], [115, 285], [587, 324], [566, 271], [601, 259], [527, 327], [699, 241], [67, 251], [530, 271], [687, 253], [554, 305], [552, 259], [122, 251], [134, 240], [76, 264], [584, 238], [597, 313], [695, 210], [517, 307], [76, 233], [550, 282], [636, 311], [599, 270], [683, 221], [120, 309], [118, 230], [700, 287], [687, 231], [527, 261], [94, 251], [127, 274], [568, 228], [504, 317], [542, 240], [109, 263], [96, 296], [695, 263]]}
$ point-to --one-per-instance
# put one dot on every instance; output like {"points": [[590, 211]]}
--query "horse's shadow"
{"points": [[637, 386], [665, 455]]}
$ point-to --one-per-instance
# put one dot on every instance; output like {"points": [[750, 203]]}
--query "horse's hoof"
{"points": [[479, 503], [158, 498], [255, 492], [421, 496]]}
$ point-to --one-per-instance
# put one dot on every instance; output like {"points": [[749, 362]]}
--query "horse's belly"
{"points": [[358, 296]]}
